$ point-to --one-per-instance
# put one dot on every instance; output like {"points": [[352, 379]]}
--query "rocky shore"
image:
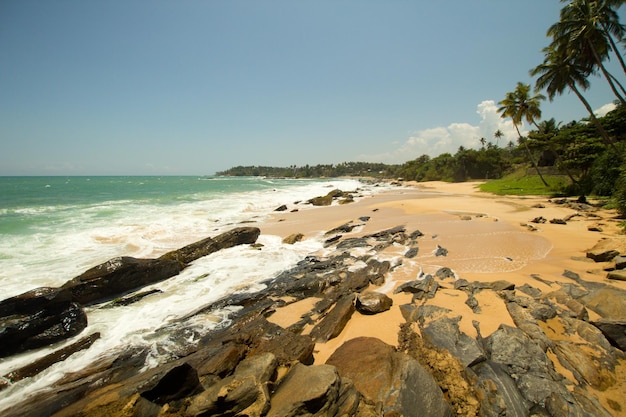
{"points": [[362, 329]]}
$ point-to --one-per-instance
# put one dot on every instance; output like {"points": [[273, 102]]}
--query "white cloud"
{"points": [[602, 111], [437, 140]]}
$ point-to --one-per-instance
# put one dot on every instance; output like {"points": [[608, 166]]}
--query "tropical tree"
{"points": [[498, 135], [518, 105], [558, 72], [583, 33]]}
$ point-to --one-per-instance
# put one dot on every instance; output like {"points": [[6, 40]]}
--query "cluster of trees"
{"points": [[590, 152]]}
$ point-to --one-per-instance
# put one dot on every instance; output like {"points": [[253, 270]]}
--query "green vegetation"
{"points": [[586, 157], [519, 183]]}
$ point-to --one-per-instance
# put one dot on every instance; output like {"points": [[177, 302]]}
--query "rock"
{"points": [[234, 237], [415, 235], [558, 221], [595, 228], [125, 301], [445, 272], [620, 262], [52, 323], [293, 238], [426, 287], [59, 355], [179, 382], [539, 220], [617, 275], [606, 250], [118, 276], [614, 331], [412, 252], [307, 390], [444, 333], [584, 365], [372, 303], [344, 228], [333, 323], [245, 392], [498, 392], [33, 301], [399, 383], [281, 208], [439, 251], [609, 302]]}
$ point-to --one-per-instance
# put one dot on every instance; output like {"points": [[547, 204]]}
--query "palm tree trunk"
{"points": [[608, 76], [530, 156], [605, 137]]}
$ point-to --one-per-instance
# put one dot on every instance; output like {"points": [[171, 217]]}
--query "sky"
{"points": [[190, 87]]}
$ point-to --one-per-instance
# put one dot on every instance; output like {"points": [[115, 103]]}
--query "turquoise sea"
{"points": [[54, 228]]}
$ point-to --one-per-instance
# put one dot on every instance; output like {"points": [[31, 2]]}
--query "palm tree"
{"points": [[498, 135], [580, 33], [558, 72], [519, 105]]}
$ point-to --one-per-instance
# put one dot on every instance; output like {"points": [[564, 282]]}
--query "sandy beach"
{"points": [[487, 238]]}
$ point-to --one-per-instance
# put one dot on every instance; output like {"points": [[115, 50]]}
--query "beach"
{"points": [[483, 289], [488, 239]]}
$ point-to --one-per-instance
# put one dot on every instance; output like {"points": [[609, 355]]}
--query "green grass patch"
{"points": [[519, 183]]}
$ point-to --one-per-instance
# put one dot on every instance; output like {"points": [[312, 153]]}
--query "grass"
{"points": [[518, 183]]}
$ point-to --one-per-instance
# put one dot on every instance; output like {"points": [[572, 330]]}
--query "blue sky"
{"points": [[192, 87]]}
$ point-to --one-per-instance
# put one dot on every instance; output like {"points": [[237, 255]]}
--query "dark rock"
{"points": [[608, 301], [439, 251], [293, 238], [355, 242], [472, 303], [400, 384], [222, 361], [558, 221], [125, 301], [179, 382], [416, 234], [539, 220], [444, 333], [617, 275], [33, 301], [530, 290], [307, 390], [620, 262], [388, 234], [344, 228], [50, 324], [365, 218], [321, 201], [445, 272], [59, 355], [333, 323], [119, 276], [412, 252], [372, 303], [234, 237], [332, 240], [426, 287], [281, 208], [499, 393], [245, 392], [614, 331], [606, 250]]}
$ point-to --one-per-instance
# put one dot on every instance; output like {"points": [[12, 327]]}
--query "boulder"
{"points": [[177, 383], [614, 331], [118, 276], [619, 275], [282, 207], [498, 392], [399, 383], [412, 252], [607, 249], [608, 301], [425, 287], [234, 237], [293, 238], [245, 392], [620, 262], [373, 303], [444, 333], [307, 391], [51, 323], [33, 301]]}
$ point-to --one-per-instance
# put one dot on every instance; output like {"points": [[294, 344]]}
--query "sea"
{"points": [[54, 228]]}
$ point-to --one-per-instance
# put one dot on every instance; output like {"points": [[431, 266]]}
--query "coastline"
{"points": [[495, 258]]}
